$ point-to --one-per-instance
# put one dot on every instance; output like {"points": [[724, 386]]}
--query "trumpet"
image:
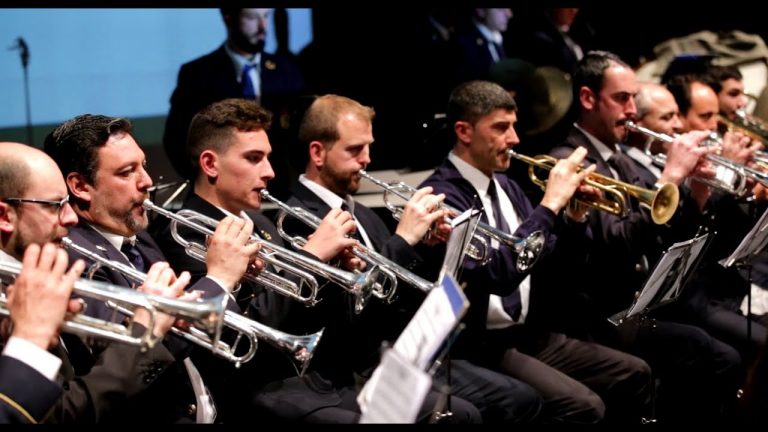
{"points": [[370, 256], [301, 346], [752, 127], [361, 285], [662, 202], [730, 176], [527, 249], [204, 315]]}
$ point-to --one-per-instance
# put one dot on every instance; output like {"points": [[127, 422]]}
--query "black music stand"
{"points": [[669, 276], [751, 245]]}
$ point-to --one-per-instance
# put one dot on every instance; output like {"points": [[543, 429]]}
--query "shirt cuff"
{"points": [[37, 358]]}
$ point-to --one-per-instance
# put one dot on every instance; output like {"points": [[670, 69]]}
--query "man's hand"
{"points": [[231, 251], [331, 236], [161, 281], [420, 213], [564, 179], [40, 297]]}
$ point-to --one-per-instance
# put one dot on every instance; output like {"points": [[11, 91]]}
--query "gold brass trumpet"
{"points": [[301, 346], [662, 202], [361, 285], [366, 254], [206, 315], [527, 249]]}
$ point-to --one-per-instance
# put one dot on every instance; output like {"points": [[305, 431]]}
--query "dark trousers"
{"points": [[580, 382], [699, 375]]}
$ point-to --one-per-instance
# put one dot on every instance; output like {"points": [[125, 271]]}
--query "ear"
{"points": [[209, 163], [7, 218], [587, 98], [78, 187], [463, 131], [317, 153]]}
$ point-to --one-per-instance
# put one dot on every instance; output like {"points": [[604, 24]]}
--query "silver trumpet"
{"points": [[730, 176], [204, 315], [361, 285], [301, 346], [527, 249], [389, 269]]}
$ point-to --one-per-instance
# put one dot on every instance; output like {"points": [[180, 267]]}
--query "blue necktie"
{"points": [[133, 255], [249, 91], [513, 304]]}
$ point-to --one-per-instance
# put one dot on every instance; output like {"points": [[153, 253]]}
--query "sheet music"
{"points": [[669, 275], [398, 389], [753, 243], [462, 229]]}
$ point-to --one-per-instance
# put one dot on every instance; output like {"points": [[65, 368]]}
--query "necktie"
{"points": [[133, 255], [512, 303], [249, 90]]}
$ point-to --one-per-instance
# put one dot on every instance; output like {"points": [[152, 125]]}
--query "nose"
{"points": [[365, 157], [67, 216], [268, 173], [677, 125], [630, 110], [144, 181]]}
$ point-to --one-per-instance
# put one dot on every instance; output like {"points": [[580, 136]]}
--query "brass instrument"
{"points": [[206, 315], [361, 285], [366, 254], [662, 202], [730, 176], [527, 249], [301, 346], [752, 127]]}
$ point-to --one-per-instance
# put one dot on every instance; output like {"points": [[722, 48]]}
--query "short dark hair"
{"points": [[475, 99], [680, 87], [75, 144], [716, 75], [213, 128], [590, 71]]}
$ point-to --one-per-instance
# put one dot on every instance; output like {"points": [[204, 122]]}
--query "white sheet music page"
{"points": [[752, 243], [395, 392]]}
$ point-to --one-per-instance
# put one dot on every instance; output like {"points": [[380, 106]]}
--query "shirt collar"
{"points": [[474, 176], [239, 61], [604, 151], [331, 199], [490, 35], [115, 240]]}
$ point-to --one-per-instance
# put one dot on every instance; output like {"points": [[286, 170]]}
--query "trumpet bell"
{"points": [[529, 251], [664, 203]]}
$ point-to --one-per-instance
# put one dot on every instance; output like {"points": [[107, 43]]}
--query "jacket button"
{"points": [[191, 409]]}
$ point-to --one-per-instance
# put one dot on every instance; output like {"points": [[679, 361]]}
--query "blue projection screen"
{"points": [[120, 62]]}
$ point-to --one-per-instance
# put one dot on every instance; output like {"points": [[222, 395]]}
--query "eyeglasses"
{"points": [[58, 204]]}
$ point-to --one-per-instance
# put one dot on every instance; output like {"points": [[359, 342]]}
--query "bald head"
{"points": [[17, 162], [657, 109]]}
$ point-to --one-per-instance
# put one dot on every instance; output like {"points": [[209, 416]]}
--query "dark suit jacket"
{"points": [[269, 379], [379, 321], [24, 388], [211, 78], [472, 58], [500, 275], [170, 396], [624, 248]]}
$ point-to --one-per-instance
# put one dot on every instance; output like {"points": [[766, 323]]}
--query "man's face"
{"points": [[663, 115], [497, 18], [41, 223], [702, 115], [731, 97], [490, 138], [347, 156], [120, 187], [614, 104], [243, 171], [248, 31]]}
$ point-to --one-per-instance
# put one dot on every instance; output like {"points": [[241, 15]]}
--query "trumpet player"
{"points": [[695, 369], [502, 329], [104, 170], [34, 211], [337, 133], [230, 150]]}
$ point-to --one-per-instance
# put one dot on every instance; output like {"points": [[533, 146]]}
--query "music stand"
{"points": [[666, 281], [751, 245]]}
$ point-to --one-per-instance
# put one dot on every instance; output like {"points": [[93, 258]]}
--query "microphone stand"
{"points": [[23, 48]]}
